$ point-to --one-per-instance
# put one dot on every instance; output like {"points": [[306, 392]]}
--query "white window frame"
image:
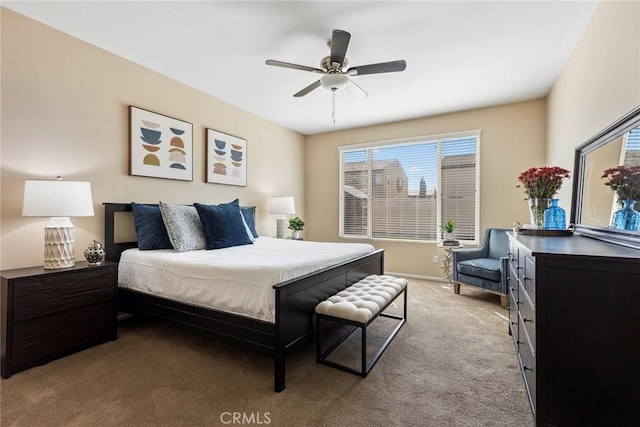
{"points": [[409, 141]]}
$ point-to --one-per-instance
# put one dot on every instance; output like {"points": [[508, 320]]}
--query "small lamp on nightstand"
{"points": [[58, 200], [282, 205]]}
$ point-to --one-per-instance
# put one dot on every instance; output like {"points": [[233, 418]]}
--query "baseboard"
{"points": [[415, 276]]}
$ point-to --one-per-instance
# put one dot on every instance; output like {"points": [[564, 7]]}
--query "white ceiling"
{"points": [[460, 55]]}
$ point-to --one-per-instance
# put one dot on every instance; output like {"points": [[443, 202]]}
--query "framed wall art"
{"points": [[226, 159], [160, 146]]}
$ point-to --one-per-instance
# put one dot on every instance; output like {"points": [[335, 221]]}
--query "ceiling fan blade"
{"points": [[383, 67], [293, 66], [308, 89], [339, 44], [355, 90]]}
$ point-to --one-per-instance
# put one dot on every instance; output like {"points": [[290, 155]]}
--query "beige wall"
{"points": [[512, 140], [64, 112], [599, 84]]}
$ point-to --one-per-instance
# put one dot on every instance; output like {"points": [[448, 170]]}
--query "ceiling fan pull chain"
{"points": [[333, 106]]}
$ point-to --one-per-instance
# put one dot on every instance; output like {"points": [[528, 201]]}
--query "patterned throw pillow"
{"points": [[183, 227], [150, 228], [223, 225]]}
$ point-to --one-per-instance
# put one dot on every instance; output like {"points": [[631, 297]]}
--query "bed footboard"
{"points": [[296, 301]]}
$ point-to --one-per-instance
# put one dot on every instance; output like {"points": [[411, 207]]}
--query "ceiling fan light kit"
{"points": [[334, 69], [334, 81]]}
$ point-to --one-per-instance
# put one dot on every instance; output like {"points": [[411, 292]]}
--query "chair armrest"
{"points": [[467, 254]]}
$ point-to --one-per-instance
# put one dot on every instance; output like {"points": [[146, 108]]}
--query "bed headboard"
{"points": [[113, 248]]}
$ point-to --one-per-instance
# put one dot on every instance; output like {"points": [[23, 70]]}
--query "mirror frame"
{"points": [[610, 133]]}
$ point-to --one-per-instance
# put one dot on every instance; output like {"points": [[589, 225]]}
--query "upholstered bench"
{"points": [[359, 305]]}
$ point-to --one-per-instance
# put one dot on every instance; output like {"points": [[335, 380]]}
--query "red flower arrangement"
{"points": [[624, 181], [542, 183]]}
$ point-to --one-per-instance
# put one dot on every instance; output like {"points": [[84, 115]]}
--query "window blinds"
{"points": [[406, 189]]}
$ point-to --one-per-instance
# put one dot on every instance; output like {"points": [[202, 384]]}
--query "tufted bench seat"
{"points": [[359, 305]]}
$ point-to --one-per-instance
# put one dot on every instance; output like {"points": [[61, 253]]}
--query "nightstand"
{"points": [[48, 314]]}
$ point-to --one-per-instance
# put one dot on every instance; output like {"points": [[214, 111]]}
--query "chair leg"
{"points": [[504, 301], [456, 288]]}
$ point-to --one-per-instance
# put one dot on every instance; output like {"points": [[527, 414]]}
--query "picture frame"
{"points": [[159, 146], [226, 159]]}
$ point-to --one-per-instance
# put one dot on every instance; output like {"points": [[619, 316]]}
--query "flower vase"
{"points": [[627, 218], [537, 207], [554, 217]]}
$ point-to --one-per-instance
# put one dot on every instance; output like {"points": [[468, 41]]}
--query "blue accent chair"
{"points": [[485, 266]]}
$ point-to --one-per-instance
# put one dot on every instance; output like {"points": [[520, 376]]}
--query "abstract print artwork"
{"points": [[160, 146], [226, 159]]}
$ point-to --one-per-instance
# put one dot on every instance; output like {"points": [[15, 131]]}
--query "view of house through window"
{"points": [[407, 189]]}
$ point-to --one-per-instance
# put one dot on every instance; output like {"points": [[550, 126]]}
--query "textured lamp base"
{"points": [[281, 228], [58, 247]]}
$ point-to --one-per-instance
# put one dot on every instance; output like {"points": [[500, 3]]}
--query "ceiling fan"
{"points": [[335, 69]]}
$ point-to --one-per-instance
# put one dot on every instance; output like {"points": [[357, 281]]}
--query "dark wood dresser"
{"points": [[47, 314], [574, 315]]}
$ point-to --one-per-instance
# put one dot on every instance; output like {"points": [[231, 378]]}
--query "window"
{"points": [[404, 190]]}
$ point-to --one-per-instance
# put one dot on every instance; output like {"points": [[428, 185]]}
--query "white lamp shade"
{"points": [[282, 205], [56, 198]]}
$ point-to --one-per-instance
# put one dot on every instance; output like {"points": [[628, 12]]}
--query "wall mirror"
{"points": [[593, 203]]}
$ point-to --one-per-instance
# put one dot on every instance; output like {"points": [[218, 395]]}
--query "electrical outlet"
{"points": [[435, 259]]}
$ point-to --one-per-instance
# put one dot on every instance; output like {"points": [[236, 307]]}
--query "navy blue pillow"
{"points": [[150, 228], [250, 220], [222, 225]]}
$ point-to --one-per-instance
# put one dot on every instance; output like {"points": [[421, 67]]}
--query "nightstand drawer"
{"points": [[40, 340], [48, 294]]}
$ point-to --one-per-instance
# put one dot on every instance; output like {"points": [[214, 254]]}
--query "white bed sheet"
{"points": [[236, 280]]}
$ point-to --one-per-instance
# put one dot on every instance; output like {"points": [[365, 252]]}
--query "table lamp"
{"points": [[282, 205], [58, 200]]}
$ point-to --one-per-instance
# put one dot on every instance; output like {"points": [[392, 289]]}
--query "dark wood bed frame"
{"points": [[295, 303]]}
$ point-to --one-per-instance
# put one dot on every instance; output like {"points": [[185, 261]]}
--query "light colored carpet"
{"points": [[451, 364]]}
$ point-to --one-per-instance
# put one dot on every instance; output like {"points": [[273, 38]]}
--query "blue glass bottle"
{"points": [[554, 217], [627, 218]]}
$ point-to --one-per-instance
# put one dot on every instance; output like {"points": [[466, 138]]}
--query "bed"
{"points": [[274, 332]]}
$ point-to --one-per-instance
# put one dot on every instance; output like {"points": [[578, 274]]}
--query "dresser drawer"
{"points": [[522, 257], [528, 366], [42, 339], [513, 317], [529, 278], [527, 321], [44, 295], [513, 255]]}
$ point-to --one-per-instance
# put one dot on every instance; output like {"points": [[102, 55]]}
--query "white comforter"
{"points": [[236, 280]]}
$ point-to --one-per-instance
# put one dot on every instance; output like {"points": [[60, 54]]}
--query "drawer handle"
{"points": [[514, 323], [524, 319], [526, 368], [527, 278]]}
